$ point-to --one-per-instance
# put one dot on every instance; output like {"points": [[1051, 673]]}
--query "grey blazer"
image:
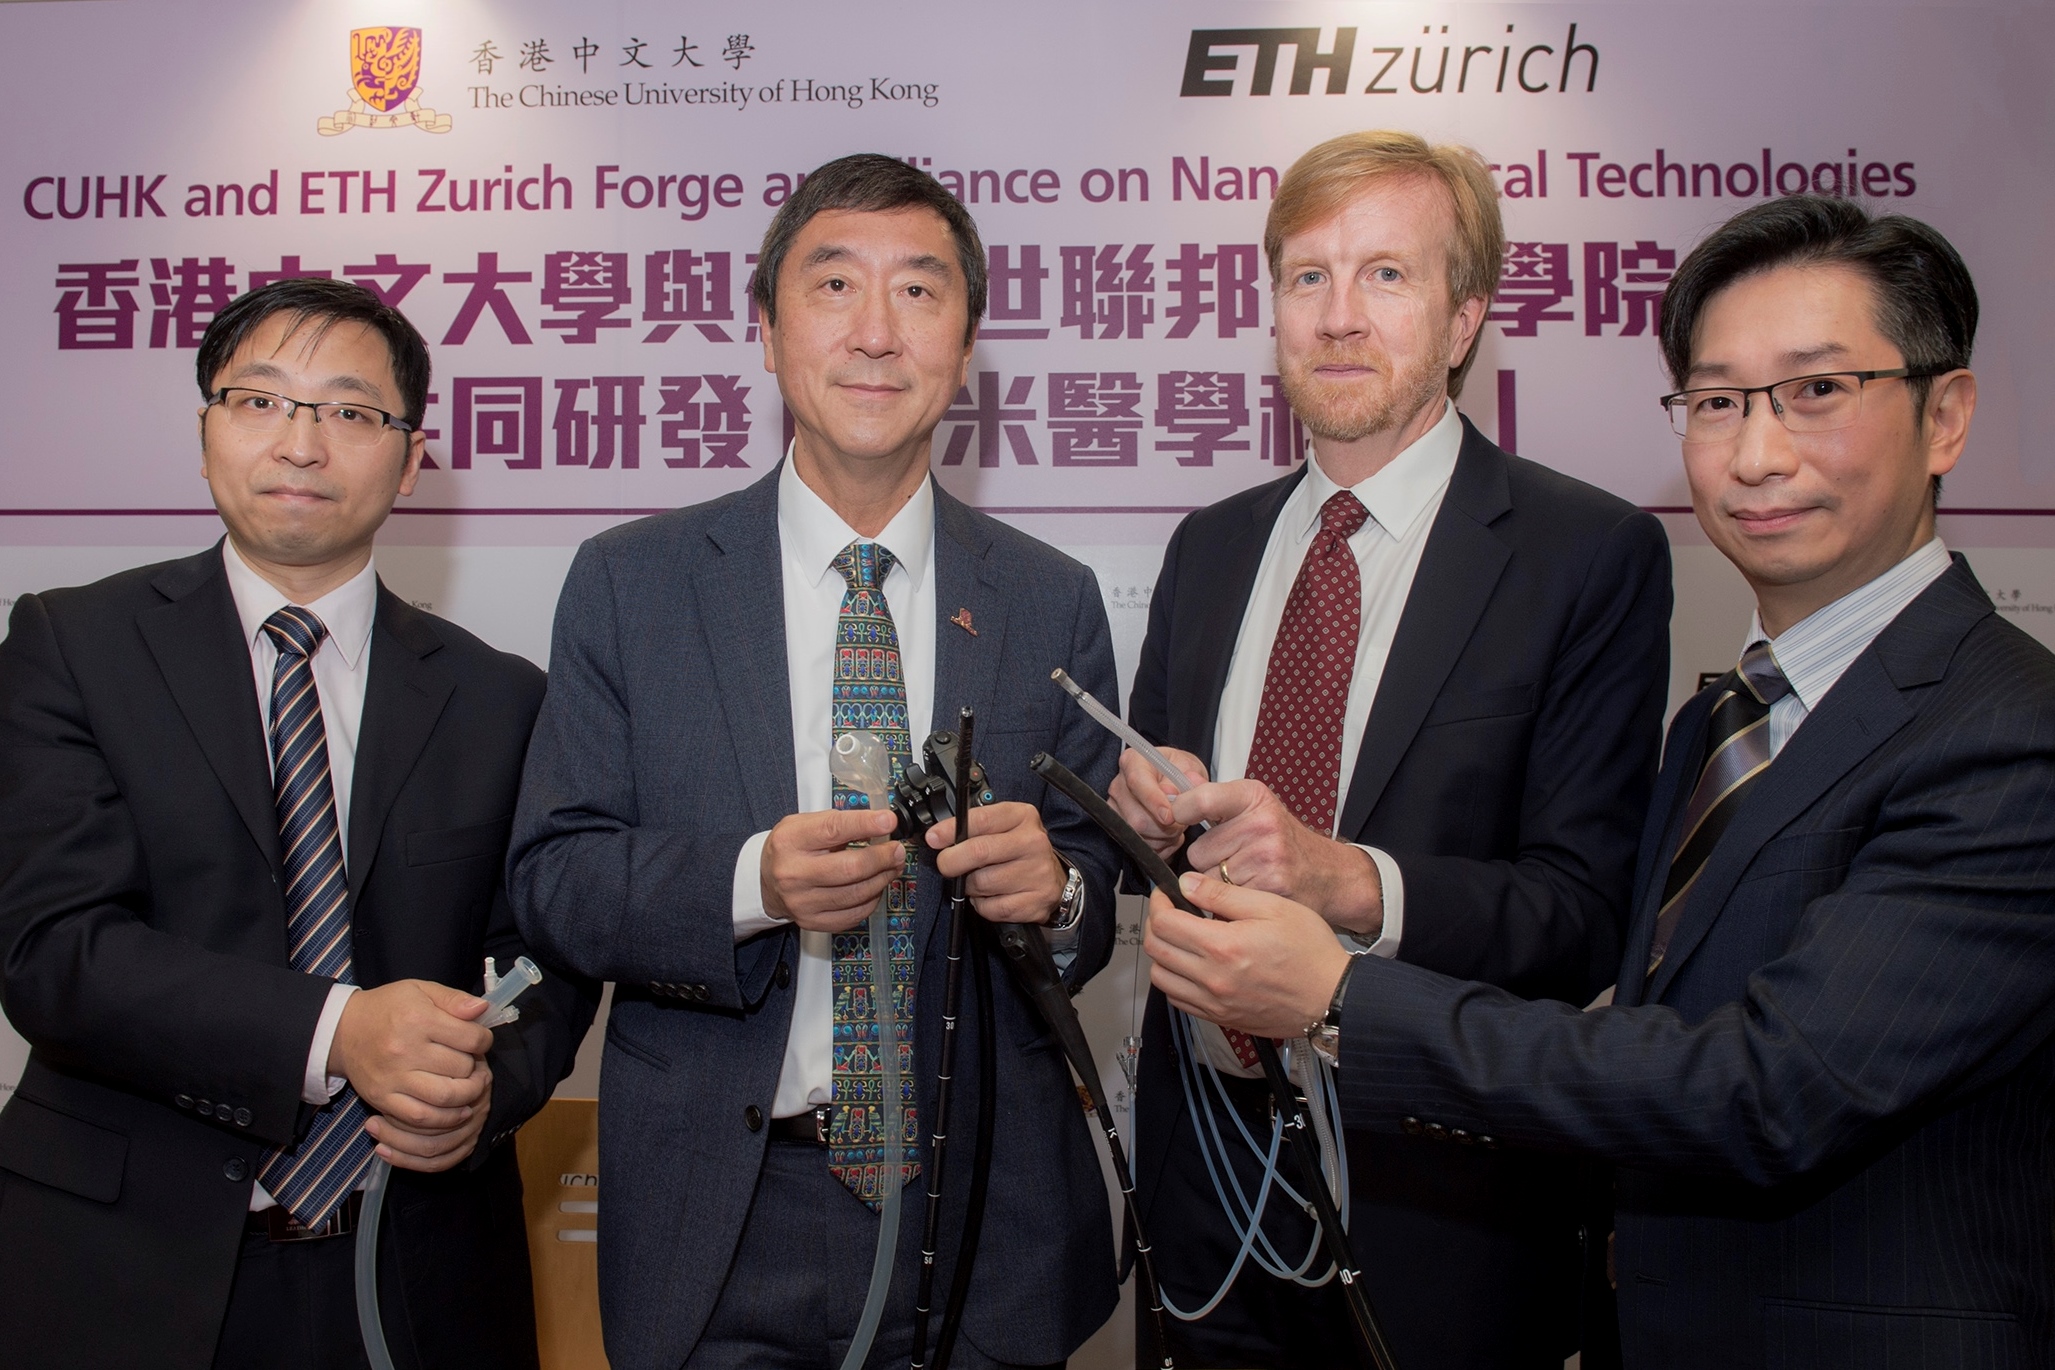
{"points": [[664, 742]]}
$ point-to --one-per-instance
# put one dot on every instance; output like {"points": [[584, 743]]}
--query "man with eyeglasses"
{"points": [[253, 823], [1826, 1077]]}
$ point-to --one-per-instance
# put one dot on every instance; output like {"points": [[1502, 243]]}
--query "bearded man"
{"points": [[1419, 684]]}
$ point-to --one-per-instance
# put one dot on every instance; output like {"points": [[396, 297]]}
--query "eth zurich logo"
{"points": [[385, 69]]}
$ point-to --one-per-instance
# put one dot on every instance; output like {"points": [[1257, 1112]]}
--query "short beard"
{"points": [[1350, 411]]}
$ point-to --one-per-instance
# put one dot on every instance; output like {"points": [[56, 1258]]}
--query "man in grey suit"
{"points": [[1828, 1079], [680, 834]]}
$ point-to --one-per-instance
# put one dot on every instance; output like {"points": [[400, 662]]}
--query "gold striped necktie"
{"points": [[1737, 753]]}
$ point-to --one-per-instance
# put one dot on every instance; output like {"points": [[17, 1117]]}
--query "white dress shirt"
{"points": [[341, 665], [810, 536], [1816, 651], [1403, 498]]}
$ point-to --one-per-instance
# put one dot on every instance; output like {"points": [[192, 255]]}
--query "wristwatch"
{"points": [[1070, 905], [1323, 1034]]}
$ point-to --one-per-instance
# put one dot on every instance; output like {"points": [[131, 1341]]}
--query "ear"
{"points": [[969, 350], [201, 428], [1463, 330], [770, 354], [1951, 403], [417, 448]]}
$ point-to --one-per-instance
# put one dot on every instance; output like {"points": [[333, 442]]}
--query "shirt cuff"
{"points": [[746, 903], [317, 1086], [1386, 943]]}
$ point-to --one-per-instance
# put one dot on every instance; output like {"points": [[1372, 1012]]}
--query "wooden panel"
{"points": [[559, 1150]]}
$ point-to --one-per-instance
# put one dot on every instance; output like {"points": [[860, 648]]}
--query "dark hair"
{"points": [[326, 304], [868, 183], [1926, 304]]}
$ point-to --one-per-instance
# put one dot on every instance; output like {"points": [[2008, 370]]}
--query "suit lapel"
{"points": [[197, 640], [739, 584], [966, 664], [1682, 756], [1864, 708], [1224, 601], [404, 696], [1459, 568]]}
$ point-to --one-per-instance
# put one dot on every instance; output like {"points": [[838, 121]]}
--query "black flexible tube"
{"points": [[1297, 1129], [952, 1005], [981, 1155], [1028, 957]]}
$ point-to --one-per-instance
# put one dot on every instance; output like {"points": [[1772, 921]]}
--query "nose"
{"points": [[1342, 315], [300, 439], [1764, 450], [874, 331]]}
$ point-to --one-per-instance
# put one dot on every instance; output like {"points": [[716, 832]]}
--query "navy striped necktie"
{"points": [[313, 1177], [1737, 752]]}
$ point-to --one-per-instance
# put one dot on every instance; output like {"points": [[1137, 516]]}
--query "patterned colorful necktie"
{"points": [[870, 694], [312, 1178], [1737, 751], [1297, 747]]}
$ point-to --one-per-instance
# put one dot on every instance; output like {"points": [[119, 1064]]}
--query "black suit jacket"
{"points": [[1505, 766], [143, 956], [1832, 1104]]}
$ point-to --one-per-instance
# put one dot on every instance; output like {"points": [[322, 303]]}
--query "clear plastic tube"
{"points": [[862, 761], [499, 996]]}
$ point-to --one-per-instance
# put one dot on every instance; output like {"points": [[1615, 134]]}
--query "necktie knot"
{"points": [[295, 631], [1340, 518], [1760, 673], [865, 564]]}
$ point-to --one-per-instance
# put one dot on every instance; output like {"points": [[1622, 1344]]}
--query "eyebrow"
{"points": [[260, 370], [1801, 358]]}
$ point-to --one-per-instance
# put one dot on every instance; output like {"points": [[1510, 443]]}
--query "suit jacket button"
{"points": [[1411, 1127], [701, 993], [1459, 1136], [235, 1168], [204, 1107], [783, 975], [184, 1101], [243, 1117], [752, 1118], [1437, 1132], [224, 1112]]}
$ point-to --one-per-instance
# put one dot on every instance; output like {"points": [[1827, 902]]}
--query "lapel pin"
{"points": [[962, 620]]}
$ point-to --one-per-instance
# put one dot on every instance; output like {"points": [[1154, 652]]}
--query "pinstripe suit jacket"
{"points": [[1831, 1106]]}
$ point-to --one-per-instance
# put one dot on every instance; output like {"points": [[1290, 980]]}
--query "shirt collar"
{"points": [[813, 534], [346, 611], [1400, 491], [1816, 651]]}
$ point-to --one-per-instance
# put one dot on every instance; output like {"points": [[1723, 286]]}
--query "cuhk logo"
{"points": [[385, 77]]}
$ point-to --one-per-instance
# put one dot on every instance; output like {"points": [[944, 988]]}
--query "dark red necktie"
{"points": [[1297, 747]]}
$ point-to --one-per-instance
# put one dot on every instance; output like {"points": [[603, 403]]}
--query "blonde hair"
{"points": [[1335, 172]]}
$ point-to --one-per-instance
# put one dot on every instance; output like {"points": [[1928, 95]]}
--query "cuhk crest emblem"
{"points": [[385, 79]]}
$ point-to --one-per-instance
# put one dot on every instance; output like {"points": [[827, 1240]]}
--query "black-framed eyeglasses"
{"points": [[1818, 403], [342, 421]]}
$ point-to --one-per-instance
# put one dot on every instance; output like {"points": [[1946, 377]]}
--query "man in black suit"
{"points": [[1428, 679], [1826, 1079], [253, 816]]}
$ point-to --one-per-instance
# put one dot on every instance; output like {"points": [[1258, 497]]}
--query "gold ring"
{"points": [[1225, 878]]}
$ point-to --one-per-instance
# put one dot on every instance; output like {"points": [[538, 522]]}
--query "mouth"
{"points": [[870, 390], [1766, 522], [294, 497]]}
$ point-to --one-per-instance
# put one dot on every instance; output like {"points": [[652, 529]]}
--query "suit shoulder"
{"points": [[1563, 500], [1236, 509], [1028, 555], [472, 655], [2003, 662], [124, 591], [660, 534]]}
